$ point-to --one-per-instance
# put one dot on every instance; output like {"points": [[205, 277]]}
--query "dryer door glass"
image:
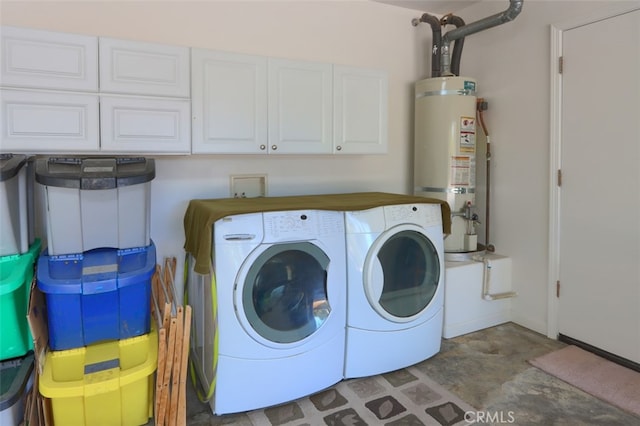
{"points": [[285, 292], [411, 271]]}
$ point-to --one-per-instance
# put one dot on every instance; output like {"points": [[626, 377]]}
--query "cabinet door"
{"points": [[299, 107], [46, 121], [229, 102], [145, 125], [50, 60], [360, 111], [143, 68]]}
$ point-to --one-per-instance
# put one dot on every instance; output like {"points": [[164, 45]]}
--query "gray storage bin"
{"points": [[16, 379], [95, 202], [14, 218]]}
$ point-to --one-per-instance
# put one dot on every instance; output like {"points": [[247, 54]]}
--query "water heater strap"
{"points": [[460, 92], [451, 190]]}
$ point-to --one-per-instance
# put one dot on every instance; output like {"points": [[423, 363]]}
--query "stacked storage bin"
{"points": [[18, 254], [96, 277], [15, 381]]}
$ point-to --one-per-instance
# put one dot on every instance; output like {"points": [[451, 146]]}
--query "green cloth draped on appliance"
{"points": [[201, 214]]}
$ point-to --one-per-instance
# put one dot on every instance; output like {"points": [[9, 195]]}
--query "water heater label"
{"points": [[467, 143], [460, 171]]}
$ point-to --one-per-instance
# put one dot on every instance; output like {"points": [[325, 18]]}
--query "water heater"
{"points": [[445, 152]]}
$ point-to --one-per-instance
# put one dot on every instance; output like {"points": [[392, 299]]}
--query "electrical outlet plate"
{"points": [[248, 186]]}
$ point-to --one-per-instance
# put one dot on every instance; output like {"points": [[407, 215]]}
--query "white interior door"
{"points": [[599, 217]]}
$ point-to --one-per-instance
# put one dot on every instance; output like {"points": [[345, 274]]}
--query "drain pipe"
{"points": [[486, 281], [515, 7], [436, 40], [457, 46]]}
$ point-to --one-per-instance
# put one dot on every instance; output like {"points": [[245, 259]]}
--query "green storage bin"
{"points": [[16, 274]]}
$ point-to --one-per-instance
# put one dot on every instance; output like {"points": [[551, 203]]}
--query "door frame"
{"points": [[555, 158]]}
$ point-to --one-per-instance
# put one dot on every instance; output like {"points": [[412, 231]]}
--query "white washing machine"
{"points": [[280, 293], [395, 273]]}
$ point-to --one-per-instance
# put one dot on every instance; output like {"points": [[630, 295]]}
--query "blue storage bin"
{"points": [[99, 295]]}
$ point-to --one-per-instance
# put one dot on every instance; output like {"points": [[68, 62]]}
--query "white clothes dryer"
{"points": [[395, 274], [280, 280]]}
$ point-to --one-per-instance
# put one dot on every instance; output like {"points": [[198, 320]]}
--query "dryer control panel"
{"points": [[419, 214]]}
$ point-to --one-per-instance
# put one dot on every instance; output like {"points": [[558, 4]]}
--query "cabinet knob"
{"points": [[274, 147], [263, 147], [338, 148]]}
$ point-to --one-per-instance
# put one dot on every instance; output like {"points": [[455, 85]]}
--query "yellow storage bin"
{"points": [[106, 384]]}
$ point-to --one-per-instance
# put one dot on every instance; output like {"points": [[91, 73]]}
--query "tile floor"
{"points": [[489, 370]]}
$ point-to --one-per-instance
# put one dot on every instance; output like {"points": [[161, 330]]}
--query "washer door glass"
{"points": [[285, 292], [410, 273]]}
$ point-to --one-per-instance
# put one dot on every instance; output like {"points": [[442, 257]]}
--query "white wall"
{"points": [[511, 63], [357, 33]]}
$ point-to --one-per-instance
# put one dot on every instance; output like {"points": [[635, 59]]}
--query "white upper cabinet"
{"points": [[156, 116], [299, 107], [253, 104], [48, 121], [360, 111], [129, 124], [143, 68], [48, 60], [229, 102], [75, 93]]}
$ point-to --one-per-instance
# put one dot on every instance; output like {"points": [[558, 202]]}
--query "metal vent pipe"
{"points": [[514, 9], [436, 41], [459, 43]]}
